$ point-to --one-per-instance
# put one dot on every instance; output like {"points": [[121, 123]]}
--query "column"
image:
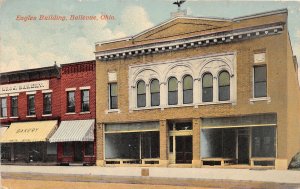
{"points": [[100, 144], [196, 91], [196, 142], [163, 144], [163, 94], [215, 89], [148, 95], [180, 93]]}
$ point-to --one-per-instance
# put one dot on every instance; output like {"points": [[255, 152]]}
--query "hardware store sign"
{"points": [[23, 87]]}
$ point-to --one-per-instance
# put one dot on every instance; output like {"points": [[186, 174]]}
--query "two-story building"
{"points": [[196, 92], [29, 112]]}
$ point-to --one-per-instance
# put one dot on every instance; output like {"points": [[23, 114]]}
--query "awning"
{"points": [[35, 131], [2, 131], [75, 130]]}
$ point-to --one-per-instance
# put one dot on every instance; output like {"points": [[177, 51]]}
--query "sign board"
{"points": [[23, 87]]}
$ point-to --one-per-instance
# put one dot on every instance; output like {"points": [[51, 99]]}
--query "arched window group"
{"points": [[187, 89]]}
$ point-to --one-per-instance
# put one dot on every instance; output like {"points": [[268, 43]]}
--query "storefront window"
{"points": [[67, 149], [150, 145], [14, 106], [89, 148], [47, 103], [263, 141], [31, 105]]}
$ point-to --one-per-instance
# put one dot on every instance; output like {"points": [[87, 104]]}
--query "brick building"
{"points": [[196, 92], [30, 106]]}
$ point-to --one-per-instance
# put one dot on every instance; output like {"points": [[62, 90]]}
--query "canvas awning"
{"points": [[75, 130], [2, 131], [35, 131]]}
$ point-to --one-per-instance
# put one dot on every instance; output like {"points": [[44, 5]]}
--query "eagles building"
{"points": [[199, 92]]}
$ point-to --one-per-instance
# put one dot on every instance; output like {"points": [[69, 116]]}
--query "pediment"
{"points": [[180, 28]]}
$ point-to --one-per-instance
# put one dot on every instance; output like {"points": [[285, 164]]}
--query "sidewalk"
{"points": [[273, 176]]}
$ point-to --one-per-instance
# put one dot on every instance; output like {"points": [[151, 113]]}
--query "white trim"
{"points": [[70, 113], [14, 117], [261, 14], [46, 115], [30, 92], [85, 112], [30, 115], [260, 99], [47, 91], [3, 95], [3, 117], [70, 89], [84, 88], [14, 94], [113, 111], [238, 126]]}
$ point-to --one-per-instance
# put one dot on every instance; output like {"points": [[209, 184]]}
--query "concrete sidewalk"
{"points": [[274, 176]]}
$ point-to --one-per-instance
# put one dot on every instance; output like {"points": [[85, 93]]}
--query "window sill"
{"points": [[113, 111], [184, 105], [71, 113], [84, 112], [46, 115], [252, 100], [31, 116], [3, 117], [14, 117]]}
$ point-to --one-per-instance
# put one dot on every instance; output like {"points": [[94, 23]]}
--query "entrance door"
{"points": [[78, 152], [243, 146], [184, 149]]}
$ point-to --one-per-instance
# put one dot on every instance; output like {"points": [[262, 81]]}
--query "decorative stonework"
{"points": [[194, 67]]}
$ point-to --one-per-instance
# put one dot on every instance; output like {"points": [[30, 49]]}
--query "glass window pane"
{"points": [[207, 94], [155, 99], [260, 89], [173, 84], [113, 89], [141, 100], [31, 106], [263, 141], [71, 101], [67, 149], [150, 144], [85, 101], [187, 82], [224, 79], [154, 87], [207, 80], [114, 102], [47, 103], [260, 73], [89, 148], [173, 98], [188, 96], [14, 106], [3, 107], [141, 87], [224, 93]]}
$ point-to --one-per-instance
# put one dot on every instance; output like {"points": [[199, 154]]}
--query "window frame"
{"points": [[3, 107], [68, 102], [44, 104], [172, 91], [82, 100], [28, 105], [111, 97], [185, 90], [266, 81], [141, 95], [212, 87], [14, 107], [219, 91], [154, 93]]}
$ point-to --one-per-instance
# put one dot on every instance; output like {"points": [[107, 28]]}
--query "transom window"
{"points": [[141, 94], [85, 100], [187, 89], [71, 101], [207, 87], [172, 91], [155, 92], [224, 86]]}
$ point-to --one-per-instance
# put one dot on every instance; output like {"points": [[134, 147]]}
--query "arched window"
{"points": [[141, 94], [172, 91], [207, 88], [187, 89], [224, 86], [154, 90]]}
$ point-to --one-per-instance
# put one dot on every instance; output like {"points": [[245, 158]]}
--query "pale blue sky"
{"points": [[39, 43]]}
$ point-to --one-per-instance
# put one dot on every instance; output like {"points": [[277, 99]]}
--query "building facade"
{"points": [[196, 92]]}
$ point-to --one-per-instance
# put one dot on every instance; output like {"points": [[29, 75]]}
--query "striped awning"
{"points": [[34, 131], [75, 130]]}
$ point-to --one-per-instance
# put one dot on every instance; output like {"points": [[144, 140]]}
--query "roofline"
{"points": [[73, 63], [261, 14], [29, 70]]}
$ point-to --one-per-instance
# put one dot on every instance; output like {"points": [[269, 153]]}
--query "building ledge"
{"points": [[31, 116], [16, 117], [113, 111], [85, 112], [46, 115], [3, 117], [71, 113], [252, 100]]}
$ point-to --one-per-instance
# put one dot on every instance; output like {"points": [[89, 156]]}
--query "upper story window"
{"points": [[207, 87], [141, 94], [113, 96], [70, 101], [260, 81], [3, 107], [31, 104], [187, 89], [172, 91], [155, 92], [14, 106], [85, 100], [224, 86], [47, 103]]}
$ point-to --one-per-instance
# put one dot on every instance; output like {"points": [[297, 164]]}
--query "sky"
{"points": [[39, 43]]}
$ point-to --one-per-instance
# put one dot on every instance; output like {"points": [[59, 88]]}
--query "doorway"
{"points": [[184, 149], [243, 146], [78, 152]]}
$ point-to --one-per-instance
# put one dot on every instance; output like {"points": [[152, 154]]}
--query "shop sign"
{"points": [[23, 87]]}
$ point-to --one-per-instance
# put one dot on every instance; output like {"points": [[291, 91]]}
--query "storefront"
{"points": [[132, 143], [75, 142], [247, 140], [27, 142]]}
